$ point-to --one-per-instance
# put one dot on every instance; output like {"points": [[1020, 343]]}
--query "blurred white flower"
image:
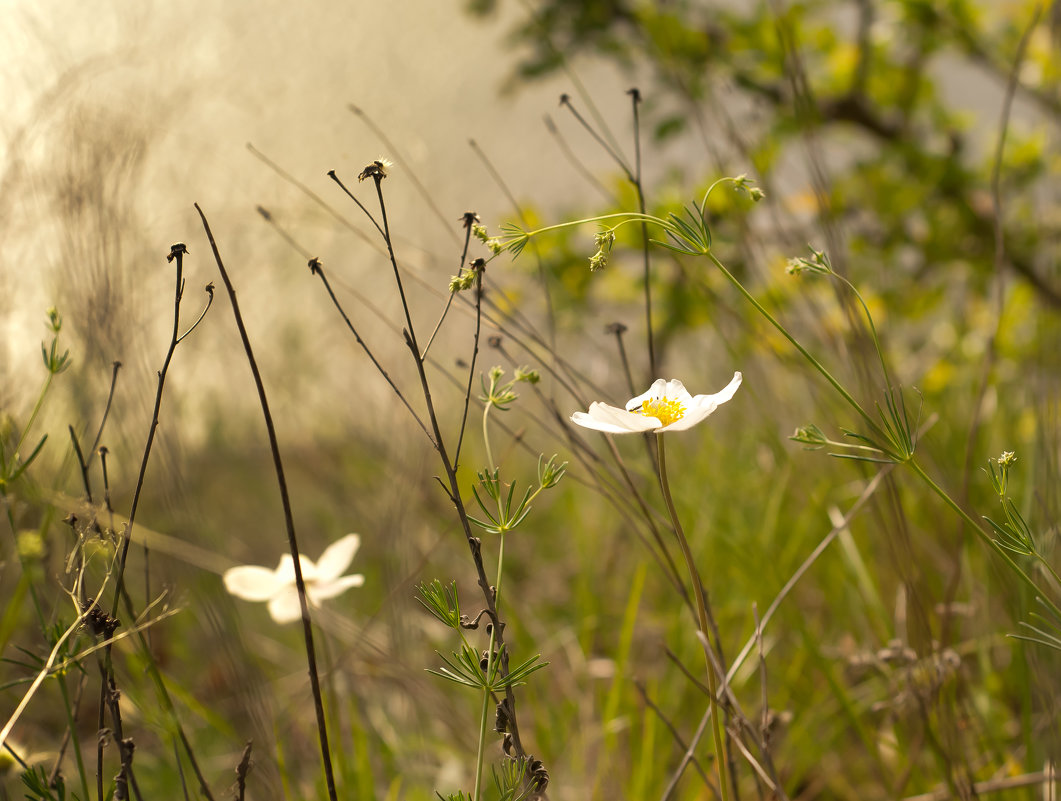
{"points": [[667, 406], [323, 580]]}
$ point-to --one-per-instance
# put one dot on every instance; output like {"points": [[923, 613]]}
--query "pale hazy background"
{"points": [[119, 116]]}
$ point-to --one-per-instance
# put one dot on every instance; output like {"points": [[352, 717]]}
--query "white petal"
{"points": [[655, 392], [701, 406], [675, 390], [611, 420], [253, 583], [691, 417], [337, 557], [285, 607], [286, 569], [319, 592], [720, 397]]}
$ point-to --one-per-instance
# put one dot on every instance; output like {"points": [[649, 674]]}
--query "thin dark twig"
{"points": [[635, 100], [737, 724], [268, 217], [406, 165], [673, 657], [453, 489], [242, 769], [573, 160], [106, 410], [108, 687], [102, 733], [764, 702], [542, 277], [312, 196], [673, 733], [565, 101], [470, 219], [177, 253], [106, 482], [53, 774], [317, 269], [480, 268], [349, 194], [386, 231], [180, 771], [209, 289], [81, 463], [289, 522], [618, 329]]}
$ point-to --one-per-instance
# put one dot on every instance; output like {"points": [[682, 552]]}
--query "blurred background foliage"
{"points": [[874, 128]]}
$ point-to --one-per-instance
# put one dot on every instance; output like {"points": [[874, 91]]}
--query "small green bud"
{"points": [[598, 261], [605, 239], [550, 473], [742, 183], [816, 264], [811, 436], [463, 281], [528, 375]]}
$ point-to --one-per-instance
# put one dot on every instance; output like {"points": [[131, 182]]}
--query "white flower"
{"points": [[667, 406], [323, 579]]}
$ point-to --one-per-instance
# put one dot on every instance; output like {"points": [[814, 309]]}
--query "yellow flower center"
{"points": [[665, 410]]}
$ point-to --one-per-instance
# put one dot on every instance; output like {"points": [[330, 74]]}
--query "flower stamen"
{"points": [[665, 410]]}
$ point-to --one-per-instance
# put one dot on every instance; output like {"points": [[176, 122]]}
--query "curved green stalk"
{"points": [[701, 615], [36, 410], [805, 353], [983, 535], [872, 328]]}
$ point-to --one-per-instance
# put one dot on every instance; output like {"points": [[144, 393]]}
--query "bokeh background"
{"points": [[873, 128]]}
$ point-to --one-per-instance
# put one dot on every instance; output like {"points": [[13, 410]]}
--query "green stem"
{"points": [[983, 535], [806, 354], [74, 739], [35, 412], [487, 691], [486, 437], [627, 216], [701, 615], [872, 329]]}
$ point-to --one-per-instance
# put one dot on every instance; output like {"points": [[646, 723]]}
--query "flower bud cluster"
{"points": [[742, 183], [604, 241], [816, 264], [479, 232]]}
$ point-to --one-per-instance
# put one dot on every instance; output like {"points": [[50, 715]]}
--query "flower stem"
{"points": [[486, 436], [485, 716], [806, 354], [289, 521], [701, 615], [983, 535]]}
